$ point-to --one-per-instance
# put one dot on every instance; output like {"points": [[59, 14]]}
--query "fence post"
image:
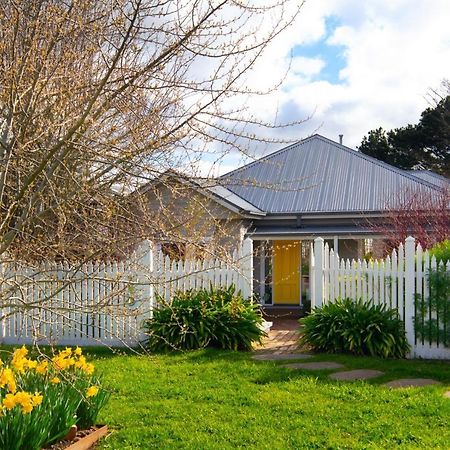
{"points": [[247, 268], [317, 298], [312, 275], [410, 249], [146, 272]]}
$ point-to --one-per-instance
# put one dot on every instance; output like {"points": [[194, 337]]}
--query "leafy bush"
{"points": [[348, 326], [41, 399], [197, 319], [441, 251], [432, 313], [432, 318]]}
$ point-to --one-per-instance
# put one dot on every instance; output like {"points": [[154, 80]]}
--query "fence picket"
{"points": [[332, 286], [353, 279], [394, 267]]}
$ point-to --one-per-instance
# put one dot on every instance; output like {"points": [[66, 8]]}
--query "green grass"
{"points": [[217, 400]]}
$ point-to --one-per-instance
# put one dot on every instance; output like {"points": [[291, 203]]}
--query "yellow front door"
{"points": [[286, 272]]}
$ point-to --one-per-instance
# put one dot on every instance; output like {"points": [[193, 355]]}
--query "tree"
{"points": [[100, 97], [425, 145], [380, 144], [422, 214]]}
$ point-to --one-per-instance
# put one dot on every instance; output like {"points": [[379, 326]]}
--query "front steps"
{"points": [[271, 312]]}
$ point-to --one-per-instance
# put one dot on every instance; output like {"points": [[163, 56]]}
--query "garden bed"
{"points": [[83, 439]]}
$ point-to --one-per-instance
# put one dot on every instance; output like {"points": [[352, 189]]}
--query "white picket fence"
{"points": [[394, 281], [104, 303]]}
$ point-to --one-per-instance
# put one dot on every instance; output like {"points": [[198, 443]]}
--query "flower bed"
{"points": [[41, 399]]}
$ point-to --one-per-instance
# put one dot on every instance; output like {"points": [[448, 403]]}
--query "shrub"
{"points": [[432, 318], [41, 399], [441, 251], [200, 318], [432, 312], [348, 326]]}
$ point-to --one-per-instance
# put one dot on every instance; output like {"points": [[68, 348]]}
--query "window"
{"points": [[174, 250]]}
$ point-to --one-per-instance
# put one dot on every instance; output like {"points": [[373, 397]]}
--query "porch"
{"points": [[281, 270]]}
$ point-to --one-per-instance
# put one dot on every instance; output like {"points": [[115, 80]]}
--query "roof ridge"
{"points": [[343, 147], [378, 162], [268, 156], [234, 193], [434, 174]]}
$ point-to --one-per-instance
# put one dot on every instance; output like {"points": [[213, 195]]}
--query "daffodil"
{"points": [[89, 368], [92, 391], [36, 399], [9, 401], [42, 367], [7, 378]]}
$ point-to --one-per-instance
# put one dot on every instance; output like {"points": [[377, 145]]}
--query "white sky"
{"points": [[357, 65]]}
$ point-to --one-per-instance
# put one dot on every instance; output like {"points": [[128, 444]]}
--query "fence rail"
{"points": [[104, 303], [399, 281]]}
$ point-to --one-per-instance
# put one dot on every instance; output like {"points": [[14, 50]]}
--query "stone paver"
{"points": [[358, 374], [321, 365], [447, 394], [282, 338], [410, 382], [280, 357]]}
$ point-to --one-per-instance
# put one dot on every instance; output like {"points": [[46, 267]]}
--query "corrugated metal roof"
{"points": [[320, 175], [431, 177], [234, 199]]}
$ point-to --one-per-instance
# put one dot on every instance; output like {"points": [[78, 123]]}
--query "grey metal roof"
{"points": [[320, 175], [231, 197], [219, 193], [431, 177]]}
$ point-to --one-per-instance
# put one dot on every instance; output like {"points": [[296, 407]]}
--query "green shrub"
{"points": [[197, 319], [441, 251], [348, 326], [432, 312], [432, 318]]}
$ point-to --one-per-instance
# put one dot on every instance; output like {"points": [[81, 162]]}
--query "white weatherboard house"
{"points": [[316, 187]]}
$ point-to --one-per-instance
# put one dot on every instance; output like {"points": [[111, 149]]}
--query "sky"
{"points": [[354, 66]]}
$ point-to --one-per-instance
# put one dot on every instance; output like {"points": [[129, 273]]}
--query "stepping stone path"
{"points": [[410, 382], [282, 357], [322, 365], [282, 345], [447, 394], [360, 374]]}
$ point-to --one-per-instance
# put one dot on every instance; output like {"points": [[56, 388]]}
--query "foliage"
{"points": [[379, 144], [348, 326], [40, 399], [425, 145], [197, 319], [216, 399], [432, 319], [419, 213], [441, 251]]}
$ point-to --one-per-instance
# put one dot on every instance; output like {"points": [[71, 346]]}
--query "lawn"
{"points": [[218, 400]]}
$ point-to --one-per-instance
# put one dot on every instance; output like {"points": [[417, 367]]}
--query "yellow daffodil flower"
{"points": [[92, 391]]}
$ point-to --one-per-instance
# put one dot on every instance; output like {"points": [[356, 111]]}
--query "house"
{"points": [[316, 187]]}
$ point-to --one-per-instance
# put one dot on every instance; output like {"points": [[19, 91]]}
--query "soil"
{"points": [[65, 443]]}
